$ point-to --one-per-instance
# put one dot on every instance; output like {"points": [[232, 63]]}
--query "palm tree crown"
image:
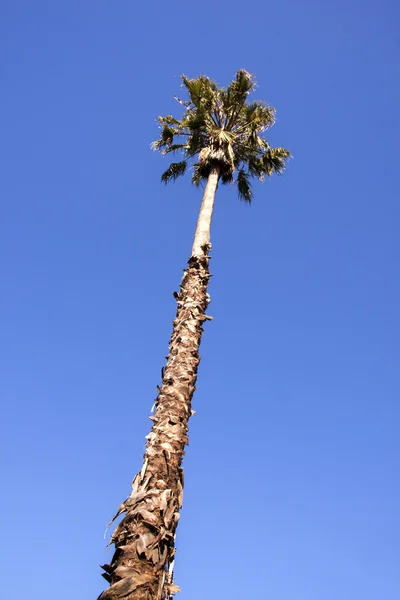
{"points": [[221, 130]]}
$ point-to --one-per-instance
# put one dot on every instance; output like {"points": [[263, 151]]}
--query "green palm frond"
{"points": [[220, 128], [168, 120], [244, 186], [175, 148], [196, 176], [239, 89], [166, 138], [227, 178], [274, 161], [174, 171], [198, 89], [256, 167], [200, 173]]}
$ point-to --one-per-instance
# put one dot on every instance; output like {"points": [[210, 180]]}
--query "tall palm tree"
{"points": [[221, 136]]}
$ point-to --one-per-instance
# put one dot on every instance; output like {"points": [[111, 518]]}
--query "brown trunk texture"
{"points": [[142, 565]]}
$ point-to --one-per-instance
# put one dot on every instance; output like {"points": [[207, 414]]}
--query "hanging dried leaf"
{"points": [[126, 572], [167, 446], [143, 471], [180, 494], [171, 588], [126, 586], [137, 497], [168, 515], [141, 545], [135, 482], [106, 568], [146, 516], [164, 498]]}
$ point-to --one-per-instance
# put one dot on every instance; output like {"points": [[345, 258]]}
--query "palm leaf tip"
{"points": [[245, 80]]}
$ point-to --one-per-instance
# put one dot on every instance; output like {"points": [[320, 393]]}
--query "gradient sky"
{"points": [[292, 475]]}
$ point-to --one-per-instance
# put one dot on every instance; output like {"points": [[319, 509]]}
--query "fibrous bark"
{"points": [[142, 565]]}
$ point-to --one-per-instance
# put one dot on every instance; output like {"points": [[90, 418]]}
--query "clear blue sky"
{"points": [[292, 486]]}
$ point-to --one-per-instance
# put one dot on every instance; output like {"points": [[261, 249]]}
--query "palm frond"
{"points": [[182, 102], [194, 88], [196, 175], [175, 148], [236, 94], [168, 120], [227, 178], [202, 91], [201, 170], [274, 161], [174, 171], [166, 137], [196, 141], [241, 86], [244, 186], [256, 167]]}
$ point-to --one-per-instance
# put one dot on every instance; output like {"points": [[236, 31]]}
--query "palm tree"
{"points": [[220, 136]]}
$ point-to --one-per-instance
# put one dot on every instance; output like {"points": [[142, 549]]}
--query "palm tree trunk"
{"points": [[142, 565], [201, 243]]}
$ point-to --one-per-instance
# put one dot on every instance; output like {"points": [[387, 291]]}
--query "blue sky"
{"points": [[292, 486]]}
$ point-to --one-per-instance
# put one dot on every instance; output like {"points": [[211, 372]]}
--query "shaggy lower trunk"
{"points": [[142, 565]]}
